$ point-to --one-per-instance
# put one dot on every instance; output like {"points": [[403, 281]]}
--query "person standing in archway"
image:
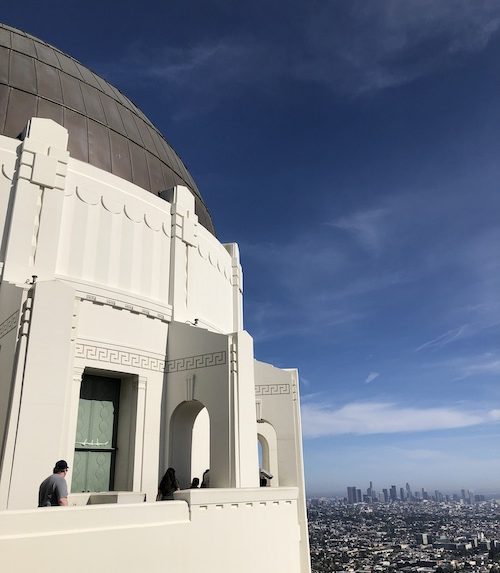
{"points": [[167, 486], [205, 482]]}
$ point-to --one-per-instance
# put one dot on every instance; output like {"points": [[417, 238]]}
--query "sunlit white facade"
{"points": [[123, 351]]}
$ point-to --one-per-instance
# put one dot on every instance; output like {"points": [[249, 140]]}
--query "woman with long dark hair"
{"points": [[168, 485]]}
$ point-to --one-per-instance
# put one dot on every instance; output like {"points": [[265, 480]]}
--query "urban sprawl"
{"points": [[405, 531]]}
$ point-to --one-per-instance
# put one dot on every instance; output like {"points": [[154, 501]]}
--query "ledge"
{"points": [[207, 496], [109, 514], [65, 520]]}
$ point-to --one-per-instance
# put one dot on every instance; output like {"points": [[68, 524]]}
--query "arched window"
{"points": [[200, 453], [268, 451], [189, 441]]}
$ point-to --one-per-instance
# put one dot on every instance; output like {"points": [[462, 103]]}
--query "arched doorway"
{"points": [[268, 451], [189, 440], [200, 452]]}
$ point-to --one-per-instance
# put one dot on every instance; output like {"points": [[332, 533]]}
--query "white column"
{"points": [[9, 439], [139, 434], [245, 449], [46, 382], [237, 283], [36, 215], [184, 237], [72, 406]]}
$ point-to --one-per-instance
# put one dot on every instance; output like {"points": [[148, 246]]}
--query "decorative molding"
{"points": [[26, 313], [218, 260], [119, 304], [6, 173], [87, 195], [42, 168], [137, 360], [136, 211], [233, 350], [258, 409], [9, 324], [272, 389], [120, 357], [153, 221], [198, 361], [78, 374]]}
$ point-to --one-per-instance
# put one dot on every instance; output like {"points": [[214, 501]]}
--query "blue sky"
{"points": [[352, 149]]}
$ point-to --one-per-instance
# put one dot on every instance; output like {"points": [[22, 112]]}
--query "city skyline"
{"points": [[395, 493], [351, 149]]}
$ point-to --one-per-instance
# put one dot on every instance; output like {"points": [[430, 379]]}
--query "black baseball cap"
{"points": [[60, 466]]}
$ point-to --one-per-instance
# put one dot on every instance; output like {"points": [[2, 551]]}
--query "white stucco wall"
{"points": [[220, 530], [130, 286]]}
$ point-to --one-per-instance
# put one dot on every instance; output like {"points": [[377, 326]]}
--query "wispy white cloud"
{"points": [[367, 227], [420, 454], [319, 285], [386, 418], [371, 377], [443, 339], [478, 367], [389, 42], [225, 60], [350, 47]]}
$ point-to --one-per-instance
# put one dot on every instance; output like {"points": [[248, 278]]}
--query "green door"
{"points": [[95, 443]]}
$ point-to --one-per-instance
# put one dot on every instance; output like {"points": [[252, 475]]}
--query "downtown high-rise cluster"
{"points": [[391, 494]]}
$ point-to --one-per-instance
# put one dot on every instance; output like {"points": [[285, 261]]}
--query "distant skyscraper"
{"points": [[386, 495], [393, 494], [402, 494], [409, 495], [351, 494], [359, 496]]}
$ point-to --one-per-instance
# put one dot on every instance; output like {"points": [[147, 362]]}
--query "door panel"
{"points": [[95, 443]]}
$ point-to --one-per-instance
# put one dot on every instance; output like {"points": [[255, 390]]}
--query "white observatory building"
{"points": [[123, 349]]}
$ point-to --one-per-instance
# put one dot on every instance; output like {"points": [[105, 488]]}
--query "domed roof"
{"points": [[105, 128]]}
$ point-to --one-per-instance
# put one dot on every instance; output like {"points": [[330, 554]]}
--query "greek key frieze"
{"points": [[136, 360], [272, 389], [198, 361], [9, 324], [120, 357]]}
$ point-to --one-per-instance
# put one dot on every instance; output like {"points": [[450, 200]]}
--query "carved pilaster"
{"points": [[141, 383], [258, 410], [237, 284], [233, 358], [190, 382], [78, 375], [184, 236], [38, 198]]}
